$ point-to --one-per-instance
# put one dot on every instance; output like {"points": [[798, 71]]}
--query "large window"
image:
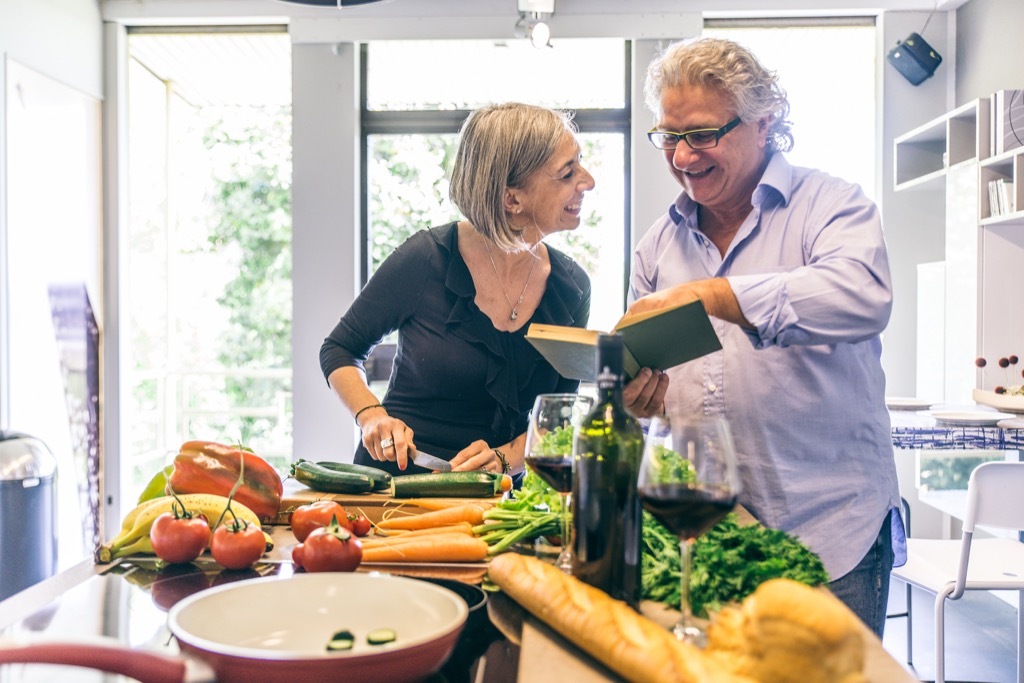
{"points": [[414, 106], [828, 72], [207, 319]]}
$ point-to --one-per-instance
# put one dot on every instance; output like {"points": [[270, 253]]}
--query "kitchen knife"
{"points": [[431, 462]]}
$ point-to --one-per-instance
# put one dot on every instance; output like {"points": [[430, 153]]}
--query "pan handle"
{"points": [[146, 667]]}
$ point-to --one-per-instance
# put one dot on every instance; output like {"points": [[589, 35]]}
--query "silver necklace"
{"points": [[515, 307]]}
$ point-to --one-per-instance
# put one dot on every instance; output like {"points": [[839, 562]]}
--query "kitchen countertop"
{"points": [[128, 601]]}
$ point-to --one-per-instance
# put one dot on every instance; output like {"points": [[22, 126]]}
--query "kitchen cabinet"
{"points": [[984, 249]]}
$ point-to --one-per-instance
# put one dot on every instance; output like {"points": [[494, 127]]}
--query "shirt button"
{"points": [[712, 388]]}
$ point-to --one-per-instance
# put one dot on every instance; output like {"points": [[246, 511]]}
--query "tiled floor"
{"points": [[981, 635]]}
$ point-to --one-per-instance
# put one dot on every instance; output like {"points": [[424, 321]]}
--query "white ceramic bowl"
{"points": [[278, 628]]}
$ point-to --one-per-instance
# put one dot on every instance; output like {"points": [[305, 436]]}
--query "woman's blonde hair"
{"points": [[499, 147], [729, 68]]}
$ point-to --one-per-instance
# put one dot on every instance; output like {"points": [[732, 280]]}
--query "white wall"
{"points": [[325, 228], [989, 49], [50, 218], [914, 222]]}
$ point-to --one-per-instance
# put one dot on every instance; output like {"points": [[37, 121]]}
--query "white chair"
{"points": [[995, 498]]}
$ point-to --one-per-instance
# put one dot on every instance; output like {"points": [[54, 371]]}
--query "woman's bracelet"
{"points": [[503, 460], [363, 410]]}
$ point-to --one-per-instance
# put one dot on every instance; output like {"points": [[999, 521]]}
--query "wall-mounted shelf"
{"points": [[925, 154], [984, 238]]}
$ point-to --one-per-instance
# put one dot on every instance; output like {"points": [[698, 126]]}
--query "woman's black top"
{"points": [[455, 378]]}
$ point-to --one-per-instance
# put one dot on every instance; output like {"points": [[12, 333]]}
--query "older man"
{"points": [[791, 264]]}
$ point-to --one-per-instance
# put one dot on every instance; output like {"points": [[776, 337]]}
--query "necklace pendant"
{"points": [[513, 315]]}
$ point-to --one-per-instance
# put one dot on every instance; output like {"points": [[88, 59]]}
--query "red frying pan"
{"points": [[278, 629]]}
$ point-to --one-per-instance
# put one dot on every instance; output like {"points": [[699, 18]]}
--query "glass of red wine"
{"points": [[549, 452], [689, 482]]}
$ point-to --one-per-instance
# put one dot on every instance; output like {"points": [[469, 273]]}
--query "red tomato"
{"points": [[297, 556], [179, 539], [359, 524], [237, 545], [332, 548], [176, 582], [315, 515]]}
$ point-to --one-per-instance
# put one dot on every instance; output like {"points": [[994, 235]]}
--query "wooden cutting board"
{"points": [[373, 505]]}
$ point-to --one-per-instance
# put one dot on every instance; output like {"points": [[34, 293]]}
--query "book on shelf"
{"points": [[1007, 203], [658, 340], [1001, 200], [994, 199]]}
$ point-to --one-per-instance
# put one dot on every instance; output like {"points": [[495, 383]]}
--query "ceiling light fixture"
{"points": [[533, 21]]}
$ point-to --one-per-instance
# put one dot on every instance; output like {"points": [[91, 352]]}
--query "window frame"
{"points": [[420, 122]]}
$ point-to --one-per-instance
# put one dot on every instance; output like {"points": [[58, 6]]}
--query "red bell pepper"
{"points": [[208, 467]]}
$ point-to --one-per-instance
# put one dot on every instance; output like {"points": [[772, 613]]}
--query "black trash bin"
{"points": [[28, 512]]}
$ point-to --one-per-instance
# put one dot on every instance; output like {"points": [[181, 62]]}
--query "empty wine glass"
{"points": [[549, 452], [689, 482]]}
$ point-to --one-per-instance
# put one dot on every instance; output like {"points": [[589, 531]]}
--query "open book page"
{"points": [[659, 339]]}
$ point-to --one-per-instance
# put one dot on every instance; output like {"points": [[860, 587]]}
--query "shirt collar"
{"points": [[777, 180]]}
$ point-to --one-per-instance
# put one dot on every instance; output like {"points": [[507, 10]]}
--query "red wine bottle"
{"points": [[607, 449]]}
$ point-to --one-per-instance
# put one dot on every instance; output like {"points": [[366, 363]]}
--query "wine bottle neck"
{"points": [[609, 390]]}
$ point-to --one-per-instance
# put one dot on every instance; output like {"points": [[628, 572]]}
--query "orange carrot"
{"points": [[442, 503], [393, 542], [472, 513], [455, 548], [460, 527]]}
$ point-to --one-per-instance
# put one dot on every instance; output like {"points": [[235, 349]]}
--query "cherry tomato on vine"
{"points": [[359, 524], [179, 537], [308, 517], [237, 545], [332, 548]]}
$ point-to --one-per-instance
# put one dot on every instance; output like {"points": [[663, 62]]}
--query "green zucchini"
{"points": [[329, 481], [342, 640], [381, 636], [381, 479], [444, 485]]}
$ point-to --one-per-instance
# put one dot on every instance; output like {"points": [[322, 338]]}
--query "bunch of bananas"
{"points": [[134, 535]]}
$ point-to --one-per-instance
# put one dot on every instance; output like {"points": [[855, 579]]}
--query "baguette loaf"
{"points": [[785, 632], [609, 630]]}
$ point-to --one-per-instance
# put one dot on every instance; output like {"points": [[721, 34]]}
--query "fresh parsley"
{"points": [[729, 562]]}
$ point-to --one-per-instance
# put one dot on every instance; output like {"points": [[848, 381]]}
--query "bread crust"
{"points": [[609, 630], [785, 632]]}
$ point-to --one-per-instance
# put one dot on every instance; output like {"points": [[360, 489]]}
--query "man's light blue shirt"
{"points": [[805, 392]]}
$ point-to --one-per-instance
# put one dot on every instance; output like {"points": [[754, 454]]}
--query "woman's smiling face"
{"points": [[551, 198], [722, 177]]}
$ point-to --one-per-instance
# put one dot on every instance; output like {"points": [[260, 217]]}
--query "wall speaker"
{"points": [[914, 58]]}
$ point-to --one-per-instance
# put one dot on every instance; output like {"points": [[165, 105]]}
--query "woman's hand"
{"points": [[387, 438], [644, 396], [478, 456]]}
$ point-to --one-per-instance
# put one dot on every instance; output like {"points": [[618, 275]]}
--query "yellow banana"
{"points": [[129, 520], [142, 517], [139, 546]]}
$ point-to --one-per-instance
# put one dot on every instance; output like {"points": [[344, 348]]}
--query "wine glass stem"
{"points": [[686, 562], [566, 501]]}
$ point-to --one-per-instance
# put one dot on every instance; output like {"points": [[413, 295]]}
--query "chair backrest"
{"points": [[995, 496]]}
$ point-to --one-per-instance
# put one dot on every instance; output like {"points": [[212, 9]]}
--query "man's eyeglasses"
{"points": [[702, 138]]}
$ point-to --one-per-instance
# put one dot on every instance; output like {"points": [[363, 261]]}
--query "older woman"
{"points": [[461, 297]]}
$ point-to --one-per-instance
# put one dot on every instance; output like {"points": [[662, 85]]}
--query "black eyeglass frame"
{"points": [[718, 133]]}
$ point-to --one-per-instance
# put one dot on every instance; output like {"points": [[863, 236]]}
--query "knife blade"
{"points": [[431, 462]]}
